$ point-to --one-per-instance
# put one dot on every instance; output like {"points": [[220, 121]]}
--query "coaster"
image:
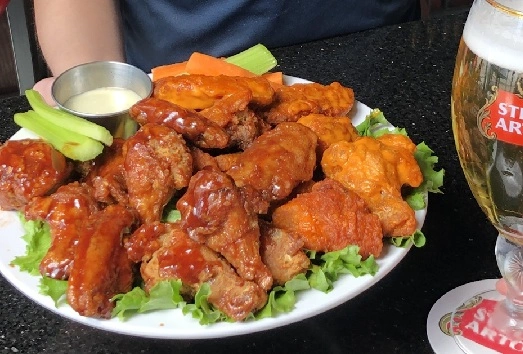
{"points": [[471, 334]]}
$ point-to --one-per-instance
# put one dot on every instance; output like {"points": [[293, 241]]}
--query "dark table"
{"points": [[406, 71]]}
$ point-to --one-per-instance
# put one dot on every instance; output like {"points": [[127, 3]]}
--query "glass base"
{"points": [[484, 324]]}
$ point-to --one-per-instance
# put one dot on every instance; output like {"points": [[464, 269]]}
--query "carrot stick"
{"points": [[169, 70], [274, 77], [204, 64]]}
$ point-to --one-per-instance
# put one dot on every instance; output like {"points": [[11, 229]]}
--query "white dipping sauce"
{"points": [[103, 100]]}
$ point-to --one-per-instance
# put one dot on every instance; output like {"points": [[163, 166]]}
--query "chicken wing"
{"points": [[167, 252], [298, 100], [194, 127], [101, 267], [277, 161], [330, 218], [213, 213], [66, 212], [29, 168], [377, 169], [329, 130], [106, 175], [157, 162], [283, 253], [217, 98]]}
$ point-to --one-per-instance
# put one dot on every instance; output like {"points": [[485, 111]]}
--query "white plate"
{"points": [[172, 324]]}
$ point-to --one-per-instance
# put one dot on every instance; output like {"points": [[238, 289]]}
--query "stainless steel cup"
{"points": [[99, 74]]}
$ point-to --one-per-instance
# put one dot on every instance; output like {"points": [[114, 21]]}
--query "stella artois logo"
{"points": [[501, 117], [471, 321]]}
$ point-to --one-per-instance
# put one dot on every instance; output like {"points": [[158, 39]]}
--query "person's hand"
{"points": [[501, 286], [44, 88]]}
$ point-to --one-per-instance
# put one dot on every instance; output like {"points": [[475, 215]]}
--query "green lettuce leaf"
{"points": [[164, 295], [38, 240], [54, 288], [202, 310]]}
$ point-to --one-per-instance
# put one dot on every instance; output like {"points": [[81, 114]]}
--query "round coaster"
{"points": [[468, 297]]}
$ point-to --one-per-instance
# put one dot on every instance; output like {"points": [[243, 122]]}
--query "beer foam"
{"points": [[496, 36]]}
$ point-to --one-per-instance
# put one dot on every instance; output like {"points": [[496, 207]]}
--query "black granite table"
{"points": [[406, 71]]}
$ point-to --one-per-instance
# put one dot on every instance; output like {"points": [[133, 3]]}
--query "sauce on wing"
{"points": [[182, 260]]}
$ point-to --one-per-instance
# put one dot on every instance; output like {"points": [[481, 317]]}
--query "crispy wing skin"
{"points": [[193, 126], [157, 163], [283, 253], [213, 213], [217, 98], [66, 212], [376, 169], [168, 253], [106, 175], [101, 267], [330, 218], [29, 168], [329, 130], [277, 161], [298, 100]]}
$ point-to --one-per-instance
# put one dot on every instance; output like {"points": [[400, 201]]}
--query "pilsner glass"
{"points": [[487, 122]]}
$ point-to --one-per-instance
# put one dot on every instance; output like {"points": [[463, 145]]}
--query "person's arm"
{"points": [[72, 32]]}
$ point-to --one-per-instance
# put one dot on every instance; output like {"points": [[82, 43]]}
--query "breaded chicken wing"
{"points": [[101, 267], [157, 162], [66, 212], [167, 252], [330, 218], [298, 100], [194, 127], [329, 130], [277, 161], [377, 169], [213, 213], [283, 253], [29, 168]]}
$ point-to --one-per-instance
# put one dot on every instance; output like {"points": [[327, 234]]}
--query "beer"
{"points": [[487, 112]]}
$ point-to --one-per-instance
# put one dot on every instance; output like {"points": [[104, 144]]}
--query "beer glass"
{"points": [[487, 122]]}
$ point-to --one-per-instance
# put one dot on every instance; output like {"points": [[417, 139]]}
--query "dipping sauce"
{"points": [[103, 100]]}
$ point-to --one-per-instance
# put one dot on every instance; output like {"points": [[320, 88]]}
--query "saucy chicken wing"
{"points": [[213, 213], [329, 130], [276, 162], [101, 267], [377, 169], [106, 175], [29, 168], [194, 127], [66, 212], [330, 218], [157, 162], [218, 98], [167, 252], [298, 100]]}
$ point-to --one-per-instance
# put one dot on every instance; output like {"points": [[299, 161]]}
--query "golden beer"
{"points": [[487, 113]]}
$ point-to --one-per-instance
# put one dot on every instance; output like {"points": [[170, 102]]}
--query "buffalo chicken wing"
{"points": [[377, 169]]}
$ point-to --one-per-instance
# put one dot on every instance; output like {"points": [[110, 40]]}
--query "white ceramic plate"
{"points": [[172, 324]]}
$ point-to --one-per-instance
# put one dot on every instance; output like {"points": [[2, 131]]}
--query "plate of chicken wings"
{"points": [[257, 175]]}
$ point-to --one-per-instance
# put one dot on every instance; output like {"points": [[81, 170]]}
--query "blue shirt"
{"points": [[158, 32]]}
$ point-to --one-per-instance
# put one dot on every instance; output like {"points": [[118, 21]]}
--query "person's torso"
{"points": [[166, 31]]}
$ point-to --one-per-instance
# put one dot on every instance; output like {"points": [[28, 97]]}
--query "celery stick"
{"points": [[73, 145], [68, 121], [257, 59]]}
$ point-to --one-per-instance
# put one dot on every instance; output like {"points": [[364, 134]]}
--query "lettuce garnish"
{"points": [[38, 240]]}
